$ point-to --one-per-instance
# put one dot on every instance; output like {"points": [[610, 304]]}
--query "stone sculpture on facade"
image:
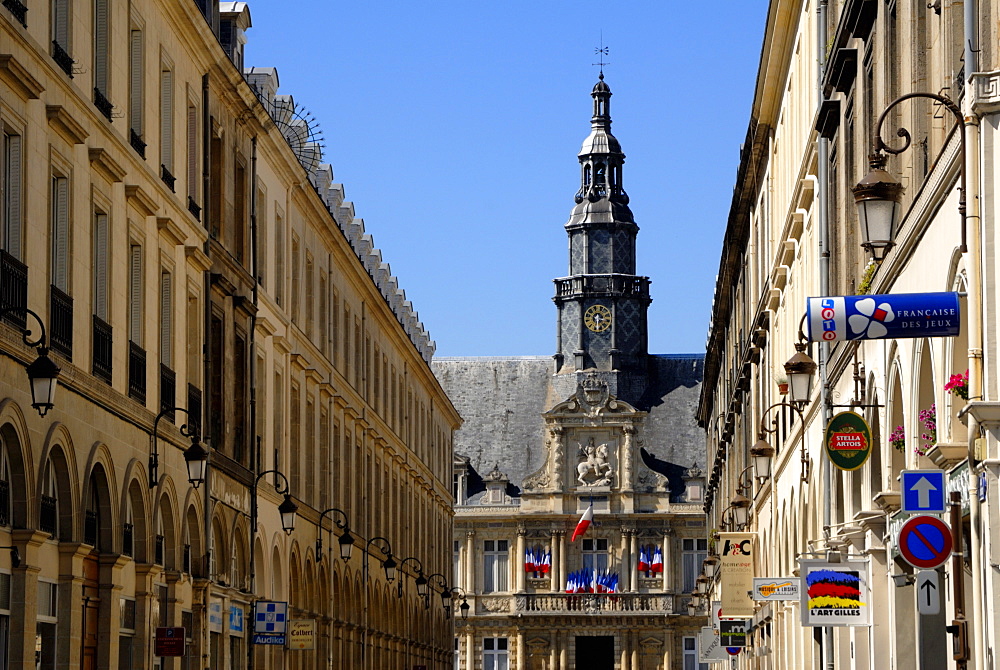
{"points": [[594, 462]]}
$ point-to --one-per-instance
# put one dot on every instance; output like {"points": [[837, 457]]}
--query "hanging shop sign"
{"points": [[302, 634], [789, 588], [710, 648], [848, 441], [876, 317], [835, 594], [733, 633], [736, 574]]}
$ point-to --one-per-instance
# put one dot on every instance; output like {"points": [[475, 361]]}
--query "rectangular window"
{"points": [[60, 33], [240, 223], [167, 127], [192, 159], [260, 253], [695, 550], [100, 261], [495, 656], [60, 232], [166, 318], [135, 92], [595, 555], [12, 191], [101, 47], [691, 655], [495, 565], [135, 294], [279, 259], [296, 298]]}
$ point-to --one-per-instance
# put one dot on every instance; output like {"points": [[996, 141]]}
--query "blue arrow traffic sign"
{"points": [[924, 491]]}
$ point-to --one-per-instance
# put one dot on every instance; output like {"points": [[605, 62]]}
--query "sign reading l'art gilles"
{"points": [[875, 317], [835, 594]]}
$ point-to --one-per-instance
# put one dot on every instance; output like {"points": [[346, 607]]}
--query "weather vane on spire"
{"points": [[601, 52]]}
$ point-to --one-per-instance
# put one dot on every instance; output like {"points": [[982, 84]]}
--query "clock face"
{"points": [[597, 318]]}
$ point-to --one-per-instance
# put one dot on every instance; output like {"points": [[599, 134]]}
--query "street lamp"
{"points": [[741, 509], [445, 591], [43, 374], [800, 368], [878, 194], [878, 197], [195, 456], [762, 452], [420, 581], [458, 592], [346, 540], [389, 565], [709, 566], [286, 509]]}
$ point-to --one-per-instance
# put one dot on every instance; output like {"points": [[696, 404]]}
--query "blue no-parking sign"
{"points": [[925, 542], [924, 491]]}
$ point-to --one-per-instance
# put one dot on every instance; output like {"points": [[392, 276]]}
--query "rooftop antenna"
{"points": [[601, 52]]}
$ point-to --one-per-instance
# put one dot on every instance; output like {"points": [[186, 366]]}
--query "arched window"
{"points": [[586, 175], [128, 530], [600, 174], [4, 484]]}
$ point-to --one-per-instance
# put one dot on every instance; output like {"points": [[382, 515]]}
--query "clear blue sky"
{"points": [[454, 127]]}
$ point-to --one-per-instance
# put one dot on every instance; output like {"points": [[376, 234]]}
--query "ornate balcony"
{"points": [[102, 103], [136, 372], [62, 58], [579, 603], [13, 288], [18, 9], [61, 310], [102, 349], [612, 285]]}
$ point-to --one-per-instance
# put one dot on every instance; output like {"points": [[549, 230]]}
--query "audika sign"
{"points": [[875, 317]]}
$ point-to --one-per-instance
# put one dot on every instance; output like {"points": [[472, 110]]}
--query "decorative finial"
{"points": [[601, 52]]}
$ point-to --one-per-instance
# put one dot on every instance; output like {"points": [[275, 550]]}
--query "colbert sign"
{"points": [[876, 317], [848, 441]]}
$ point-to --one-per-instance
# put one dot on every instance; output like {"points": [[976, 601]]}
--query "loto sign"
{"points": [[875, 317]]}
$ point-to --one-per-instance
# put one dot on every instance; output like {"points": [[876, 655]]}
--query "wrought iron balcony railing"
{"points": [[62, 58], [48, 521], [19, 10], [102, 337], [61, 308], [136, 372], [135, 139], [102, 103], [168, 391], [614, 285], [13, 289]]}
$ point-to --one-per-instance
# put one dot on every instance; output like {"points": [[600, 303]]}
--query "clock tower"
{"points": [[602, 303]]}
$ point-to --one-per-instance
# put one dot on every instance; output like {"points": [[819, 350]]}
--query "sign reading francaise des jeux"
{"points": [[848, 441], [876, 317]]}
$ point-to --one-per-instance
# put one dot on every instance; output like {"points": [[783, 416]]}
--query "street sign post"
{"points": [[925, 542], [924, 491], [928, 592]]}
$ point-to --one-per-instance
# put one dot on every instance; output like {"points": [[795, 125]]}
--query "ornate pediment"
{"points": [[592, 399]]}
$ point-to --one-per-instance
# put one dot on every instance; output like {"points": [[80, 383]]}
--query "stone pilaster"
{"points": [[519, 560], [71, 584], [24, 598], [109, 611]]}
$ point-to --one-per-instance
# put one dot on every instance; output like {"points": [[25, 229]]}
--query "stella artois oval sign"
{"points": [[848, 441]]}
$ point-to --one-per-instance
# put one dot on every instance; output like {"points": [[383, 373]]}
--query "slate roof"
{"points": [[501, 400]]}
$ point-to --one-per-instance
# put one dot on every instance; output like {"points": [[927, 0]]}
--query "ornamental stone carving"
{"points": [[495, 604], [593, 468]]}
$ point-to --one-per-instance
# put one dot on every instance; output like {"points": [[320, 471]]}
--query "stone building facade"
{"points": [[601, 423], [829, 71], [166, 213]]}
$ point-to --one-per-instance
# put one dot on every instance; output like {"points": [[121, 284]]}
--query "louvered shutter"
{"points": [[166, 319], [167, 119], [135, 294], [135, 82], [192, 151], [101, 46], [101, 266], [60, 233], [13, 223], [60, 23]]}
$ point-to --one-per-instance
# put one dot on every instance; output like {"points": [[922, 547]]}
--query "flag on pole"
{"points": [[656, 565], [644, 558], [529, 560], [584, 523]]}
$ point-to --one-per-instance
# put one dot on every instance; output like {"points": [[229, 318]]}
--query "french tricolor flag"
{"points": [[643, 558], [529, 560], [657, 563], [546, 563], [584, 523]]}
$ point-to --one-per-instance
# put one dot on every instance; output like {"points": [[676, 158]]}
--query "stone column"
{"points": [[625, 457], [146, 606], [519, 651], [625, 652], [562, 558], [519, 560], [24, 598], [469, 578], [563, 651], [668, 649], [109, 610], [554, 653], [668, 560], [627, 560], [633, 566], [557, 438], [635, 650], [556, 549], [470, 650]]}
